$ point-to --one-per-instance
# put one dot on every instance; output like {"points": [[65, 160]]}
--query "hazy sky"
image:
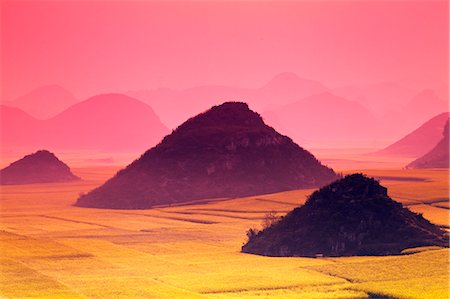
{"points": [[91, 47]]}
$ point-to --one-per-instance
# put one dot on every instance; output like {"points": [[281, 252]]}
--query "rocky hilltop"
{"points": [[352, 216], [227, 151]]}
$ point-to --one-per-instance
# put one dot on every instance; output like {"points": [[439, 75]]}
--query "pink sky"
{"points": [[91, 47]]}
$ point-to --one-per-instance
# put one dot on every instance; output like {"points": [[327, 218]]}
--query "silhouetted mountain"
{"points": [[40, 167], [421, 140], [226, 151], [325, 119], [352, 216], [44, 102], [107, 122], [437, 157]]}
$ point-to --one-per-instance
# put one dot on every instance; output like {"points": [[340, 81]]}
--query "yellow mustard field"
{"points": [[51, 249]]}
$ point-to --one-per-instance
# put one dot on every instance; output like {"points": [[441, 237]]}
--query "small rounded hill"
{"points": [[39, 167], [352, 216]]}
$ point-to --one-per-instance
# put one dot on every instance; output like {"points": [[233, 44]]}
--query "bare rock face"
{"points": [[352, 216], [40, 167], [226, 151], [438, 157]]}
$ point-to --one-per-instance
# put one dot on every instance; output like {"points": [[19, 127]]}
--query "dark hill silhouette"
{"points": [[39, 167], [44, 102], [352, 216], [226, 151], [437, 157], [421, 140], [107, 122]]}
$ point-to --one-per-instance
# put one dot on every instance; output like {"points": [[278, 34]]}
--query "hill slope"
{"points": [[18, 128], [226, 151], [110, 122], [421, 140], [39, 167], [44, 102], [107, 122], [352, 216], [282, 89], [325, 119], [437, 157]]}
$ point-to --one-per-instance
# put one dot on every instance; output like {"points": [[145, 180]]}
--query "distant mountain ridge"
{"points": [[438, 157], [375, 115], [227, 151], [44, 102], [107, 122], [18, 128], [282, 89], [324, 118], [421, 140], [384, 111]]}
